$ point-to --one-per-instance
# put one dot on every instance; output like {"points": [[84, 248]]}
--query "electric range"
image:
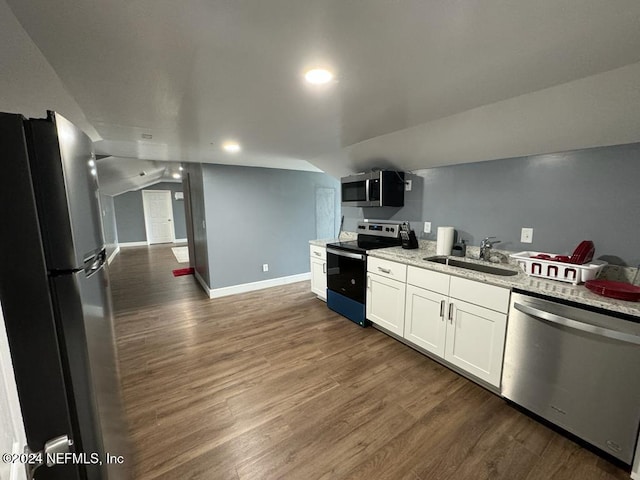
{"points": [[347, 268]]}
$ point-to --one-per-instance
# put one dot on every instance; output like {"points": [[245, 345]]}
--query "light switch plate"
{"points": [[407, 185], [427, 227], [526, 236]]}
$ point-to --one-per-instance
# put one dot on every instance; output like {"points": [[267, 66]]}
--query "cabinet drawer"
{"points": [[489, 296], [318, 252], [428, 279], [386, 268]]}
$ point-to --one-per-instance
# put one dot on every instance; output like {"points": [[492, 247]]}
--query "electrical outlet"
{"points": [[427, 227], [526, 235], [265, 267], [407, 185]]}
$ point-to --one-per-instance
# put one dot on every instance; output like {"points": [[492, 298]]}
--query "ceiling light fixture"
{"points": [[318, 76], [231, 147]]}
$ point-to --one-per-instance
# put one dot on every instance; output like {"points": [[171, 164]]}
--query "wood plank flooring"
{"points": [[272, 384]]}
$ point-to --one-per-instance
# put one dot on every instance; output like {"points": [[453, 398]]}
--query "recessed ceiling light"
{"points": [[177, 176], [318, 76], [92, 163], [181, 168], [231, 147]]}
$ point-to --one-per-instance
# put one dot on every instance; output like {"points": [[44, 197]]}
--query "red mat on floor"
{"points": [[182, 271]]}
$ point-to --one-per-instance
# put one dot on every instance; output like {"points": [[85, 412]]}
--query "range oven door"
{"points": [[346, 274], [346, 288]]}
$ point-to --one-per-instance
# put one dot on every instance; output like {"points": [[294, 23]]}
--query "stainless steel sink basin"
{"points": [[478, 267]]}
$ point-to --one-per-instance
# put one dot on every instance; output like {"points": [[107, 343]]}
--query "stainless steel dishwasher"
{"points": [[576, 368]]}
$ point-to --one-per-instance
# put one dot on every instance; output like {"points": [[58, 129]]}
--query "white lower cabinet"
{"points": [[465, 334], [424, 322], [475, 340], [386, 287], [385, 302], [319, 271]]}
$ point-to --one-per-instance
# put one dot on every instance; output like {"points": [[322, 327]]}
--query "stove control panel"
{"points": [[379, 229]]}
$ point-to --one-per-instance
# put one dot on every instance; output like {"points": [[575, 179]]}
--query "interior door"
{"points": [[158, 216], [12, 436]]}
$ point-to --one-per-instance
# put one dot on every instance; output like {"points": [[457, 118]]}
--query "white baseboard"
{"points": [[113, 255], [250, 287], [180, 240], [133, 244]]}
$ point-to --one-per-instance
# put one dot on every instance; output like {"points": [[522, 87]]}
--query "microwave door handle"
{"points": [[366, 190], [576, 325]]}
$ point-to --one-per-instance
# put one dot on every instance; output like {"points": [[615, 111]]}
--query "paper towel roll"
{"points": [[444, 240]]}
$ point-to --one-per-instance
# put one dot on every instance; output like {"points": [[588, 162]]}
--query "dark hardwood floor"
{"points": [[271, 384]]}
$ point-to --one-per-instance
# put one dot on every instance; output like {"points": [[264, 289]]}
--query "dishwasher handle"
{"points": [[576, 325]]}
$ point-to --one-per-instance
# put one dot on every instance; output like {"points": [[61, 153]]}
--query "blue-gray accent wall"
{"points": [[129, 212], [260, 215], [590, 194]]}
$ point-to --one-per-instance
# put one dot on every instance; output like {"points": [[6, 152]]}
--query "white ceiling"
{"points": [[193, 74]]}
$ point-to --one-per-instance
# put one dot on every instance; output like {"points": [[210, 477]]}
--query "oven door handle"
{"points": [[576, 325], [357, 256]]}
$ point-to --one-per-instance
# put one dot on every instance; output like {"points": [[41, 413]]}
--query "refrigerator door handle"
{"points": [[47, 456], [93, 264]]}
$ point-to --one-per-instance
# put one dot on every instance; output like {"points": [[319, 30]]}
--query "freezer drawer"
{"points": [[577, 369]]}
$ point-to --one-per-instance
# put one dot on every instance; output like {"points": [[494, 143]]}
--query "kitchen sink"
{"points": [[478, 267]]}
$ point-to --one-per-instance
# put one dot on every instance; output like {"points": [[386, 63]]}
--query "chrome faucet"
{"points": [[485, 248]]}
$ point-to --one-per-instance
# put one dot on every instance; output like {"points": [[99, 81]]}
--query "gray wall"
{"points": [[193, 174], [260, 215], [109, 223], [590, 194], [130, 213]]}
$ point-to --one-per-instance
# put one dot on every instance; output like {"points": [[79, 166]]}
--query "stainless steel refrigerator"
{"points": [[54, 291]]}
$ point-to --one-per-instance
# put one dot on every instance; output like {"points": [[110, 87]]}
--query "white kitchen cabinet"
{"points": [[386, 294], [425, 323], [460, 320], [475, 340], [318, 261]]}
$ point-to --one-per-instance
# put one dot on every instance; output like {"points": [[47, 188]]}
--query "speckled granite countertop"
{"points": [[344, 237], [551, 288]]}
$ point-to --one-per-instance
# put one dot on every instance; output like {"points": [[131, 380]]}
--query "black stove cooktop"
{"points": [[366, 242]]}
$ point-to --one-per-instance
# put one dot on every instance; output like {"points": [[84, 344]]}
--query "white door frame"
{"points": [[145, 208], [11, 423]]}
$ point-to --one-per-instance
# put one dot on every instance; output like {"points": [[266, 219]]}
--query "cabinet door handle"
{"points": [[384, 270], [324, 268], [451, 313], [442, 309], [368, 282], [317, 254]]}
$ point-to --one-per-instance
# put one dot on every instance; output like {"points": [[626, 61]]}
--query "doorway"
{"points": [[158, 216], [12, 436]]}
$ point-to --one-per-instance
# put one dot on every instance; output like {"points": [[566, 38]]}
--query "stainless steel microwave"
{"points": [[384, 188]]}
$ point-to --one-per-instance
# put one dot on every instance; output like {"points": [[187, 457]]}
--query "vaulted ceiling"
{"points": [[417, 82]]}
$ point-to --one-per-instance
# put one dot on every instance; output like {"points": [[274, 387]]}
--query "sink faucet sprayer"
{"points": [[485, 248]]}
